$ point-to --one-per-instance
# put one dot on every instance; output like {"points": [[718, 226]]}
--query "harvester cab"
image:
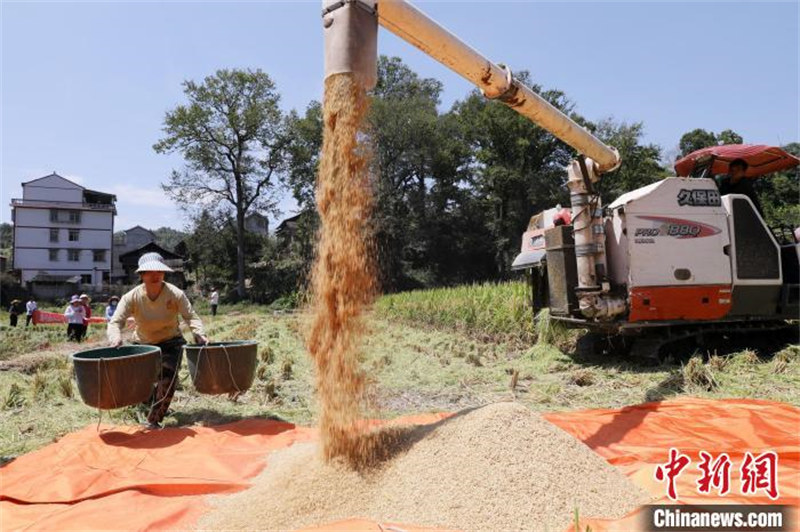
{"points": [[686, 258], [675, 255]]}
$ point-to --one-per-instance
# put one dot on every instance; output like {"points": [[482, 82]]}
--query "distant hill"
{"points": [[168, 238]]}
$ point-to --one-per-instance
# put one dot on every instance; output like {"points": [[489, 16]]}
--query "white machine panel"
{"points": [[676, 233]]}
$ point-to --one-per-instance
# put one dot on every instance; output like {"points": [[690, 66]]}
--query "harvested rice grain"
{"points": [[491, 468]]}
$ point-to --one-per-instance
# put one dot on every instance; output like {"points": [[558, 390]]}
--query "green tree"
{"points": [[454, 190], [696, 139], [403, 124], [779, 194], [211, 248], [287, 259], [729, 136], [640, 162], [517, 167], [168, 238], [6, 231], [304, 134], [230, 133]]}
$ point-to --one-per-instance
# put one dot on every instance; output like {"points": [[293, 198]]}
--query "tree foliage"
{"points": [[6, 231], [455, 189], [230, 134], [210, 249], [640, 162], [698, 139], [169, 238], [779, 194]]}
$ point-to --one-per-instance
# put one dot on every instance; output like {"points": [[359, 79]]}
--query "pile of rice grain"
{"points": [[496, 467]]}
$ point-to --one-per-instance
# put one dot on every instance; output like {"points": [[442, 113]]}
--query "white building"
{"points": [[62, 232]]}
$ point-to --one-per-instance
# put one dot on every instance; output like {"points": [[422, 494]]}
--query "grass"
{"points": [[442, 364], [696, 373], [36, 338]]}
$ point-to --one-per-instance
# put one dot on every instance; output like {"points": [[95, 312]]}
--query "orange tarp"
{"points": [[636, 439], [123, 479]]}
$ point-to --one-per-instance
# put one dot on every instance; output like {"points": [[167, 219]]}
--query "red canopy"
{"points": [[760, 159]]}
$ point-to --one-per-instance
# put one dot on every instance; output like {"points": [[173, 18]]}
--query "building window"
{"points": [[53, 235], [53, 255], [74, 255], [73, 235], [75, 217], [86, 278], [99, 255], [54, 215]]}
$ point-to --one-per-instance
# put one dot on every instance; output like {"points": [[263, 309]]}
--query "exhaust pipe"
{"points": [[351, 39]]}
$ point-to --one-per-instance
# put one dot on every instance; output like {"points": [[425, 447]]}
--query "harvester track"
{"points": [[652, 345]]}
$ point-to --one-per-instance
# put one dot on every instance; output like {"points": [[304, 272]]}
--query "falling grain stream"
{"points": [[496, 467]]}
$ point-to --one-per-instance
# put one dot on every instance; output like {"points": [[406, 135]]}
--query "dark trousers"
{"points": [[75, 332], [171, 357], [12, 320], [28, 318], [213, 310]]}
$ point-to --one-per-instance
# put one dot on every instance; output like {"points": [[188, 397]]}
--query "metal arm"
{"points": [[350, 46]]}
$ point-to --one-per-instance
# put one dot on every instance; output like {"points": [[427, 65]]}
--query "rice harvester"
{"points": [[672, 260]]}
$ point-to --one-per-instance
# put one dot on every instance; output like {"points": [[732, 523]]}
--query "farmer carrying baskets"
{"points": [[156, 307]]}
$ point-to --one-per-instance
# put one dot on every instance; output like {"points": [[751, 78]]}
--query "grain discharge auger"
{"points": [[669, 261]]}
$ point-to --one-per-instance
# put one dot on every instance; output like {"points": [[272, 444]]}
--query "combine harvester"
{"points": [[667, 262]]}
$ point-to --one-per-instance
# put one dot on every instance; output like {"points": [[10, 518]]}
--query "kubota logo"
{"points": [[675, 227]]}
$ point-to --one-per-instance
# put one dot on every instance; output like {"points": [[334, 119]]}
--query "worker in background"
{"points": [[75, 314], [213, 299], [113, 301], [156, 307], [30, 308], [86, 306], [14, 311], [736, 183]]}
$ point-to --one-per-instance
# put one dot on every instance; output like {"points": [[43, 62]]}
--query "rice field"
{"points": [[494, 310], [420, 353]]}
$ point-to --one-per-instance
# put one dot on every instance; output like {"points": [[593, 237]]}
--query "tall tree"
{"points": [[230, 133], [640, 162], [696, 139], [168, 238], [210, 246], [729, 136], [6, 231], [779, 194], [518, 167], [403, 127], [304, 134]]}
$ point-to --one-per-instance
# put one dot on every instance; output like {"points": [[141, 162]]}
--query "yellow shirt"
{"points": [[156, 321]]}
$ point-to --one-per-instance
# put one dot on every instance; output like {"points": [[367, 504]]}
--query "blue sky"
{"points": [[85, 85]]}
